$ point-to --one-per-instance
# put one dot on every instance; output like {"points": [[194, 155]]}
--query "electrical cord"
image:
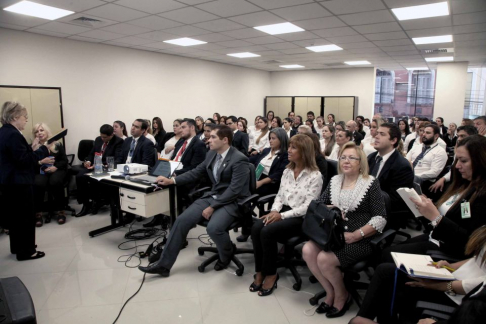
{"points": [[135, 294]]}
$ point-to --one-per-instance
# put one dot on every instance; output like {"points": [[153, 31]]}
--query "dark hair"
{"points": [[223, 131], [160, 126], [264, 130], [106, 130], [483, 118], [268, 113], [360, 117], [279, 121], [211, 126], [144, 123], [283, 139], [190, 122], [332, 141], [367, 119], [333, 117], [407, 129], [394, 132], [310, 113], [245, 128], [122, 125], [435, 128], [223, 118], [342, 124], [469, 129], [300, 117], [311, 126], [219, 117], [211, 120], [317, 144], [202, 126], [243, 119], [233, 119], [348, 134], [288, 114], [441, 119], [288, 119], [468, 121]]}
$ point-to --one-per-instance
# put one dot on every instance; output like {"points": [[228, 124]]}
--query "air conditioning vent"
{"points": [[438, 50], [89, 22]]}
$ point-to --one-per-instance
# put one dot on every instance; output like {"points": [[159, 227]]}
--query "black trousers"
{"points": [[54, 184], [87, 188], [378, 298], [18, 216], [265, 239], [416, 245]]}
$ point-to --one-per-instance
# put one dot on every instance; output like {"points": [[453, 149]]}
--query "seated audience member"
{"points": [[137, 148], [391, 288], [342, 137], [367, 122], [319, 126], [210, 121], [240, 140], [243, 119], [451, 137], [418, 141], [359, 198], [49, 177], [312, 118], [413, 135], [352, 126], [467, 122], [287, 126], [404, 129], [362, 129], [328, 141], [304, 129], [276, 122], [297, 122], [199, 125], [331, 120], [270, 116], [310, 124], [260, 137], [392, 170], [480, 124], [207, 134], [170, 142], [286, 216], [158, 131], [450, 228], [189, 150], [428, 159], [340, 126], [442, 127], [227, 169], [320, 159], [217, 118], [148, 133], [222, 120], [367, 144], [120, 129], [291, 115], [88, 190], [242, 128], [254, 128]]}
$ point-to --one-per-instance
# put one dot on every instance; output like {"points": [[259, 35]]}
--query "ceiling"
{"points": [[365, 29]]}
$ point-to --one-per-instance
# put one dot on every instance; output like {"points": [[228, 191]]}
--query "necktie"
{"points": [[216, 166], [181, 151], [421, 155], [374, 172], [132, 148], [103, 148]]}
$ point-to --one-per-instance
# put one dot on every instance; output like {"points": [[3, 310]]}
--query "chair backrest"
{"points": [[70, 158], [84, 147], [252, 181], [417, 188], [388, 206], [331, 172]]}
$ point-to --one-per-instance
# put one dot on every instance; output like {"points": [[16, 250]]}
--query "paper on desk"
{"points": [[175, 166]]}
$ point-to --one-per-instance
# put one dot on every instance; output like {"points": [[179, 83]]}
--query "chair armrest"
{"points": [[436, 315], [435, 307], [197, 193], [267, 199], [70, 158], [383, 240], [439, 255], [251, 199]]}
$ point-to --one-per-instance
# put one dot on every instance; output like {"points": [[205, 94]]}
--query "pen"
{"points": [[445, 267]]}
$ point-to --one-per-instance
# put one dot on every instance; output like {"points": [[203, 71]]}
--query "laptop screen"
{"points": [[161, 168]]}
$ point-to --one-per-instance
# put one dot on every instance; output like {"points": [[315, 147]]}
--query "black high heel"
{"points": [[334, 312], [254, 287], [266, 292]]}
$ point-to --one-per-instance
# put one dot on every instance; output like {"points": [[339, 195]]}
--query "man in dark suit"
{"points": [[442, 127], [353, 128], [227, 169], [107, 144], [391, 168], [137, 148], [240, 139]]}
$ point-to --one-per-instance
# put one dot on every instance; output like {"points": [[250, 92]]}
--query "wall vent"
{"points": [[89, 22]]}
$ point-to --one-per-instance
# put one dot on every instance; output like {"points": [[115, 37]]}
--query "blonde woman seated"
{"points": [[368, 143], [359, 198]]}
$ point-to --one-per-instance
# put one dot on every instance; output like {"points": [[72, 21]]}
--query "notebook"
{"points": [[58, 136], [416, 265], [406, 194]]}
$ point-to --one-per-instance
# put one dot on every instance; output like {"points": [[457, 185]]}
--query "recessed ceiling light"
{"points": [[243, 55], [432, 39], [185, 41], [440, 59], [292, 66], [357, 62], [418, 68], [277, 29], [423, 11], [37, 10], [324, 48]]}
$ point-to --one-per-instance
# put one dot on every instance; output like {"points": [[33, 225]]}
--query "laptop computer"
{"points": [[161, 168]]}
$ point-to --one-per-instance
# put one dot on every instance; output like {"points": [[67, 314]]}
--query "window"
{"points": [[475, 89]]}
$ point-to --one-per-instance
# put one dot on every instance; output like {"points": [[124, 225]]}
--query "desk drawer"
{"points": [[146, 205], [132, 196]]}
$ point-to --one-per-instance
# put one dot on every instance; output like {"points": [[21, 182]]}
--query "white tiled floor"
{"points": [[81, 281]]}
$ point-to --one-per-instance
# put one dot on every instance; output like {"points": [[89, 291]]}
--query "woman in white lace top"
{"points": [[359, 198]]}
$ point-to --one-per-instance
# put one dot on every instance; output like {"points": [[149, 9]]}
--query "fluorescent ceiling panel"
{"points": [[324, 48], [185, 41], [243, 55], [432, 39], [277, 29], [292, 66], [418, 68], [423, 11], [440, 59], [357, 62], [37, 10]]}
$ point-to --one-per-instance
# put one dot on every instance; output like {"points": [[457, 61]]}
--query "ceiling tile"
{"points": [[211, 47], [370, 17], [20, 20], [469, 18], [378, 28], [250, 48], [151, 6], [334, 32], [85, 39], [11, 26], [46, 32], [365, 50], [114, 43], [63, 28], [299, 50], [219, 25], [154, 23], [215, 37], [126, 29], [76, 6], [307, 11], [352, 6], [187, 31], [468, 37], [274, 4], [428, 23], [157, 36], [389, 49], [227, 8], [460, 7], [234, 43], [346, 39], [291, 37], [469, 28], [397, 42], [401, 53], [357, 45], [429, 32], [117, 13], [71, 19], [133, 40], [280, 46], [194, 2], [101, 34], [386, 36], [400, 3], [264, 40], [244, 33], [189, 15], [258, 19], [319, 23], [312, 42], [159, 45]]}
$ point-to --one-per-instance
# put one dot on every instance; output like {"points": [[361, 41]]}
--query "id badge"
{"points": [[465, 210]]}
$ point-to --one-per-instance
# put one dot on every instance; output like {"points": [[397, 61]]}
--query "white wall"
{"points": [[358, 82], [102, 83], [450, 92]]}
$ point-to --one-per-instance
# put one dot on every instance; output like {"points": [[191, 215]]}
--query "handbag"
{"points": [[324, 226]]}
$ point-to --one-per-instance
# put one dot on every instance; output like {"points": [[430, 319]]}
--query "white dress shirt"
{"points": [[297, 193], [171, 142], [368, 148], [335, 153], [409, 137], [129, 158], [367, 131], [440, 141], [187, 145], [151, 137], [431, 164], [262, 143], [267, 162]]}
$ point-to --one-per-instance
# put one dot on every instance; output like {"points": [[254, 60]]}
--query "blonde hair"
{"points": [[305, 146], [307, 129], [363, 161], [10, 111], [53, 146]]}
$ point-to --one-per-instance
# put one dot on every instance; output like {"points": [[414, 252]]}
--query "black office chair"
{"points": [[84, 147], [245, 208]]}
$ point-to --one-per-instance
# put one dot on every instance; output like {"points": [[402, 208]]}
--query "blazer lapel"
{"points": [[224, 163], [209, 168], [388, 164]]}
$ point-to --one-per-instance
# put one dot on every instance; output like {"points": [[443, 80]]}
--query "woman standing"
{"points": [[158, 130], [169, 145], [17, 164]]}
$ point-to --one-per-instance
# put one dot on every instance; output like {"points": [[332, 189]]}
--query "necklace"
{"points": [[345, 207]]}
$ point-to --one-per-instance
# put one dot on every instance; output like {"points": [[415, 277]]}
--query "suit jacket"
{"points": [[444, 132], [233, 180], [278, 164], [241, 141], [357, 138], [194, 154], [114, 148], [18, 162], [396, 173], [144, 152]]}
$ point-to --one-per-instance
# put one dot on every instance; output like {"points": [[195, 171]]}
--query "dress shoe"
{"points": [[266, 292], [220, 265], [323, 308], [85, 210], [154, 269], [154, 257], [37, 255], [334, 312], [157, 220], [242, 238]]}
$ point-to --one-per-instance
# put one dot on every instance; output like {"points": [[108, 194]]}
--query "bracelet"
{"points": [[362, 233], [450, 291]]}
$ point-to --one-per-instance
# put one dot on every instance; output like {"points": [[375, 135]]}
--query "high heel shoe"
{"points": [[334, 312], [254, 287], [39, 221], [266, 292]]}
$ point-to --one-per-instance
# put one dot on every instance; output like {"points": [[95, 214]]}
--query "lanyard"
{"points": [[428, 150]]}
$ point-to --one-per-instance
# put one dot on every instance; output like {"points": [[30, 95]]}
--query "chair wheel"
{"points": [[313, 301], [297, 286], [313, 279], [239, 272], [200, 252], [200, 268]]}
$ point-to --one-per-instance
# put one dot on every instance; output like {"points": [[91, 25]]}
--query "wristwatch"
{"points": [[436, 220], [450, 291]]}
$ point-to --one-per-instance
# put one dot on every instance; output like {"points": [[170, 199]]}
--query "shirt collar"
{"points": [[223, 155], [234, 132], [387, 156]]}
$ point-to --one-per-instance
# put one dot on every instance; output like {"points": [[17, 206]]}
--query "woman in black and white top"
{"points": [[359, 198], [301, 183]]}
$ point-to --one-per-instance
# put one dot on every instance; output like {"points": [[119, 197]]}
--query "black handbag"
{"points": [[324, 226]]}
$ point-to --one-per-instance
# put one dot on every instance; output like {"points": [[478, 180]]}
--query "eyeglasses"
{"points": [[349, 158]]}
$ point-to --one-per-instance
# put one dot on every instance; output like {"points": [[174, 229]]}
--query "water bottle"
{"points": [[98, 164]]}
